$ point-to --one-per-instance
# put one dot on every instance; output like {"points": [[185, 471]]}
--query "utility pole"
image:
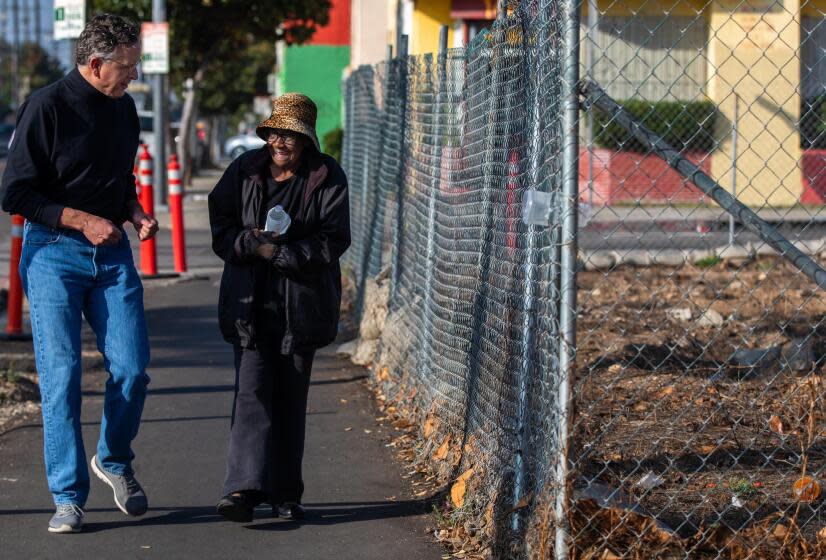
{"points": [[159, 116], [38, 32], [15, 55]]}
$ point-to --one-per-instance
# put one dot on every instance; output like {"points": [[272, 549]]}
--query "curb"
{"points": [[606, 259]]}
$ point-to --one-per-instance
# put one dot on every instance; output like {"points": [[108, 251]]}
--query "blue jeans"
{"points": [[66, 277]]}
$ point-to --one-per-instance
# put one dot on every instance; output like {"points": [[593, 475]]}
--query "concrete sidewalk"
{"points": [[359, 505]]}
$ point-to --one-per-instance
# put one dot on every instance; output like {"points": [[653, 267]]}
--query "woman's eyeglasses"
{"points": [[288, 137]]}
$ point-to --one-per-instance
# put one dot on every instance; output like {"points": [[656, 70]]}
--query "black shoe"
{"points": [[289, 510], [236, 508]]}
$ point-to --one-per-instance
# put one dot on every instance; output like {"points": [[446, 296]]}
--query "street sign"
{"points": [[155, 42], [69, 18], [262, 105]]}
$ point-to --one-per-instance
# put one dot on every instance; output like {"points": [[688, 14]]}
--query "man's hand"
{"points": [[145, 225], [99, 231]]}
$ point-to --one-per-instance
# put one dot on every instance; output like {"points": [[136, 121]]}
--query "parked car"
{"points": [[237, 145], [6, 132]]}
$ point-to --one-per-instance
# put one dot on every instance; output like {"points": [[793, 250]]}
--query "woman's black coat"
{"points": [[307, 258]]}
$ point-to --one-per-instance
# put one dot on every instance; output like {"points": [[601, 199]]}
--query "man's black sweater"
{"points": [[73, 147]]}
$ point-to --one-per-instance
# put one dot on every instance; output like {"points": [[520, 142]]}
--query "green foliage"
{"points": [[331, 143], [215, 36], [742, 487], [37, 69], [708, 262], [685, 125], [229, 88]]}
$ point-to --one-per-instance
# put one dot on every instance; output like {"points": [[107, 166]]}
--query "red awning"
{"points": [[473, 9]]}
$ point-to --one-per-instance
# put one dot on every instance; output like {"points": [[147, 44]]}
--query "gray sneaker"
{"points": [[67, 519], [129, 496]]}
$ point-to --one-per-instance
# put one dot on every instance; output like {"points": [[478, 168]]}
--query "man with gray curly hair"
{"points": [[69, 173]]}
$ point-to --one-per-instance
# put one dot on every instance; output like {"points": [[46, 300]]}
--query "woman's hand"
{"points": [[262, 244]]}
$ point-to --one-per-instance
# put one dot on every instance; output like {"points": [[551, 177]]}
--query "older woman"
{"points": [[279, 300]]}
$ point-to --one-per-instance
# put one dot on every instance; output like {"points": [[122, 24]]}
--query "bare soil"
{"points": [[659, 392]]}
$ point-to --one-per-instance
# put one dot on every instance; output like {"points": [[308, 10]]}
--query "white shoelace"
{"points": [[69, 509]]}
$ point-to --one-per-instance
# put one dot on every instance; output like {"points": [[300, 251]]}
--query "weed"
{"points": [[709, 261], [742, 487]]}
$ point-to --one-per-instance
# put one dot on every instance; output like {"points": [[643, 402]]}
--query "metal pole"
{"points": [[400, 187], [15, 55], [37, 28], [159, 118], [593, 14], [599, 99], [528, 312], [733, 165], [567, 312], [425, 361]]}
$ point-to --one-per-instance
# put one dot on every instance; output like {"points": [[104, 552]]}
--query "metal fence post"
{"points": [[567, 312], [430, 258], [531, 255], [731, 221], [398, 237]]}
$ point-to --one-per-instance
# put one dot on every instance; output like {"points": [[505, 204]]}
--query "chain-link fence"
{"points": [[692, 421]]}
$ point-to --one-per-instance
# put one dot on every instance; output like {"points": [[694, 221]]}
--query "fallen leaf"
{"points": [[615, 368], [640, 407], [457, 493], [466, 475], [665, 392], [441, 453], [429, 426], [806, 489], [822, 534], [780, 531], [707, 449], [384, 374], [776, 425]]}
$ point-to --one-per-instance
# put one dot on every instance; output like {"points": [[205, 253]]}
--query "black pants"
{"points": [[266, 442]]}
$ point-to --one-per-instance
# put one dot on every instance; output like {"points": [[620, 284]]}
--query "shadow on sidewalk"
{"points": [[317, 514], [350, 512]]}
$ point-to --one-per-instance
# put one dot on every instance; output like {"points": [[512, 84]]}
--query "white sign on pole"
{"points": [[155, 42], [69, 18]]}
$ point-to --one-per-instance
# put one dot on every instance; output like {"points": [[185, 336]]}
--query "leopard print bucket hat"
{"points": [[291, 111]]}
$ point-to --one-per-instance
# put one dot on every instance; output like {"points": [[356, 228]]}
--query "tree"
{"points": [[37, 69], [210, 38]]}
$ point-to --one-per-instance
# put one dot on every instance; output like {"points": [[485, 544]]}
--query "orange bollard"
{"points": [[176, 214], [149, 262], [14, 324]]}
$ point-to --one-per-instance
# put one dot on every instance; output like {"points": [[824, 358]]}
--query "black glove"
{"points": [[264, 244], [252, 244]]}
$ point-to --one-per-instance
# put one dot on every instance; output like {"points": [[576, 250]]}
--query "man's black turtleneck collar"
{"points": [[84, 91]]}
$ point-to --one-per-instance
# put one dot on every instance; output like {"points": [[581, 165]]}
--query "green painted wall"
{"points": [[316, 70]]}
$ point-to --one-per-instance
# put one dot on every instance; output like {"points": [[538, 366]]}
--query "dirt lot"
{"points": [[662, 389]]}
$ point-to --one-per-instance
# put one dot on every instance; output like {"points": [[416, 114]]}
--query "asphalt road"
{"points": [[359, 504]]}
